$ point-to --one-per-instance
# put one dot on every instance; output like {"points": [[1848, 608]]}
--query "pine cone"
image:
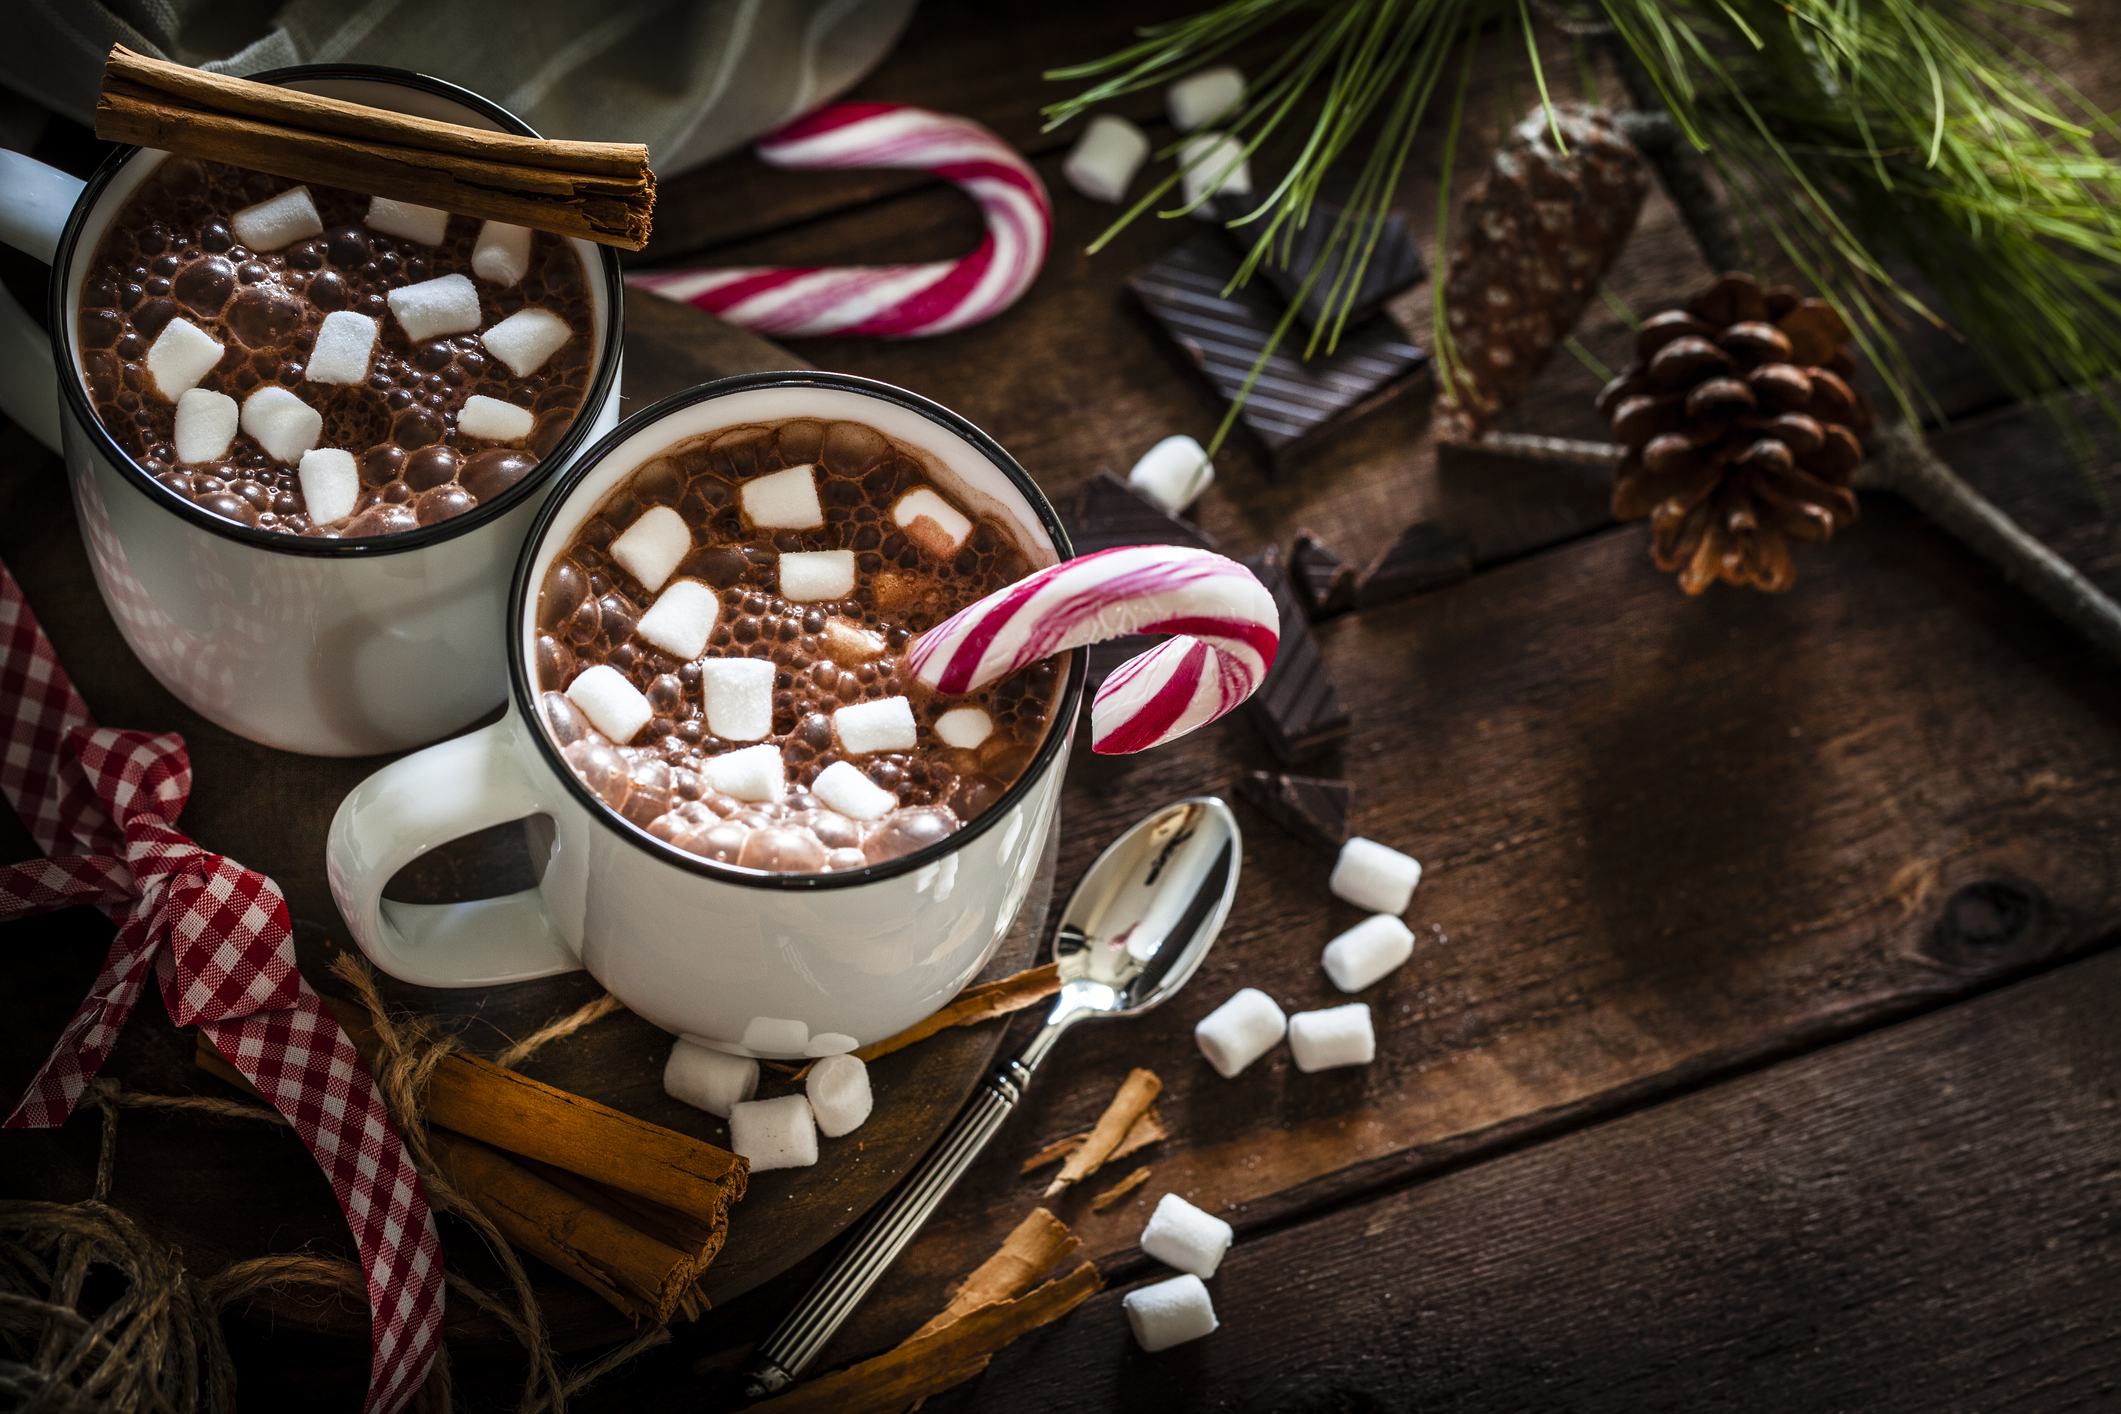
{"points": [[1742, 432], [1541, 227]]}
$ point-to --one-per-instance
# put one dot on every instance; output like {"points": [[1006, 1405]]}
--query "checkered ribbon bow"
{"points": [[218, 940]]}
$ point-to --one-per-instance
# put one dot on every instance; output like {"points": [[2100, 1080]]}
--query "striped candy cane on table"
{"points": [[1226, 620], [890, 301]]}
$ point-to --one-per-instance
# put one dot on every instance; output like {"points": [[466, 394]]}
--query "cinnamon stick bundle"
{"points": [[600, 191]]}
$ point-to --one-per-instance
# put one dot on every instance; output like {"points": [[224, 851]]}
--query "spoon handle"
{"points": [[796, 1341]]}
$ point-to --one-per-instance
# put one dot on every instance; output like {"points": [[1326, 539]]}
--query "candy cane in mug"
{"points": [[1226, 622]]}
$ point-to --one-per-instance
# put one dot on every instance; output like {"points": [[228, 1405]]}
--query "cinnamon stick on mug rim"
{"points": [[598, 191]]}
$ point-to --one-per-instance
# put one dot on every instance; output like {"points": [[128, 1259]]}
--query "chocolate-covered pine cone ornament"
{"points": [[1541, 227], [1742, 432]]}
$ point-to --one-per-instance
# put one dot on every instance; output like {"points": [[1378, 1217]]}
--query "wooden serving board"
{"points": [[224, 1191]]}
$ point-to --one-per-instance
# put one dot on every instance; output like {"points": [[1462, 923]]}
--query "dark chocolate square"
{"points": [[1393, 266], [1423, 557], [1322, 577], [1297, 708], [1312, 809]]}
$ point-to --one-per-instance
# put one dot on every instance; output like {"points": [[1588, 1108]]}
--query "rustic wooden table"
{"points": [[1760, 1048]]}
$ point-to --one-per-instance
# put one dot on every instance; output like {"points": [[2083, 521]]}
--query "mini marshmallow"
{"points": [[278, 221], [708, 1079], [775, 1035], [830, 1043], [1240, 1031], [342, 348], [424, 224], [964, 727], [432, 308], [1336, 1035], [931, 522], [844, 787], [838, 1088], [331, 483], [849, 646], [206, 424], [811, 576], [612, 703], [883, 725], [1173, 473], [738, 693], [181, 355], [1205, 158], [774, 1134], [491, 420], [785, 500], [1374, 876], [525, 339], [284, 425], [1106, 157], [1182, 1236], [1168, 1313], [681, 618], [651, 547], [1209, 96], [755, 773], [502, 253], [1369, 950]]}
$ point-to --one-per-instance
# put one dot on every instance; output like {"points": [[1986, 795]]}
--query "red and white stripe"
{"points": [[1226, 622], [890, 301]]}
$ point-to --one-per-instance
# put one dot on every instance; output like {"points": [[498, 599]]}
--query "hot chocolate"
{"points": [[316, 362], [718, 650]]}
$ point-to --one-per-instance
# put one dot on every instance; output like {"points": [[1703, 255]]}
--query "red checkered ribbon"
{"points": [[218, 939]]}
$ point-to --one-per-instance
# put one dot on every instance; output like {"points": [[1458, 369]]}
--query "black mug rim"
{"points": [[1059, 727], [84, 414]]}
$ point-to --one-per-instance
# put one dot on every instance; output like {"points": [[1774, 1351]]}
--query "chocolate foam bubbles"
{"points": [[717, 648]]}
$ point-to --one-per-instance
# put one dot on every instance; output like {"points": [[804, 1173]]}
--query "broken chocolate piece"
{"points": [[1296, 708], [1394, 265], [1296, 402], [1323, 578], [1423, 557], [1308, 807], [1106, 514]]}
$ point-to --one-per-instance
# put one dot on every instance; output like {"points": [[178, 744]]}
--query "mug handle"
{"points": [[429, 798], [32, 215]]}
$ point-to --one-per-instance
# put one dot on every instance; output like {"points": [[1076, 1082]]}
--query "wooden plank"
{"points": [[1920, 1220]]}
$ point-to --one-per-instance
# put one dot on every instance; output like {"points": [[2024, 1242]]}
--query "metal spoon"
{"points": [[1133, 931]]}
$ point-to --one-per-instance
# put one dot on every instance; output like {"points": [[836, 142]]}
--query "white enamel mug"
{"points": [[327, 647], [776, 965]]}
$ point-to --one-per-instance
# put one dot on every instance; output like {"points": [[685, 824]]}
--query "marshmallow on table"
{"points": [[502, 253], [964, 727], [1203, 98], [774, 1134], [181, 355], [525, 339], [1182, 1236], [681, 618], [708, 1079], [784, 500], [1374, 876], [838, 1088], [883, 725], [1240, 1031], [206, 424], [1106, 157], [282, 423], [651, 547], [756, 773], [1173, 473], [1336, 1035], [491, 420], [931, 522], [812, 576], [738, 694], [844, 787], [331, 484], [423, 224], [342, 348], [278, 221], [1369, 950], [1205, 159], [432, 308], [613, 705], [1168, 1313]]}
